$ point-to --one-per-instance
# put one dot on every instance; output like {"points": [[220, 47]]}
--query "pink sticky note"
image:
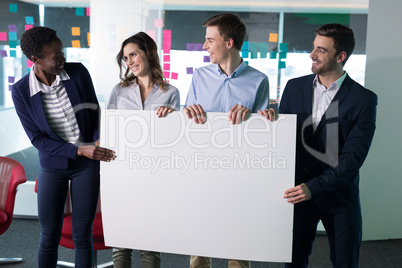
{"points": [[28, 26], [158, 23], [166, 74], [167, 41], [88, 9], [174, 76], [166, 58], [166, 66], [152, 34], [3, 36], [29, 63]]}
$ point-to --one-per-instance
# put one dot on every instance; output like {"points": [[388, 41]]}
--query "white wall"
{"points": [[12, 135], [381, 182], [110, 24]]}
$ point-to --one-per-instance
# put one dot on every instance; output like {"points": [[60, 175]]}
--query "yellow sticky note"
{"points": [[75, 31], [76, 43], [89, 39], [273, 37]]}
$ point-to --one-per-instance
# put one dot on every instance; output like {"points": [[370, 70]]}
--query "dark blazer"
{"points": [[54, 152], [328, 160]]}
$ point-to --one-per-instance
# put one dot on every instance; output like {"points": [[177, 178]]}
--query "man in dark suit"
{"points": [[335, 126]]}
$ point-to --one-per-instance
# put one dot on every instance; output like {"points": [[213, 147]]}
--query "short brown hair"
{"points": [[229, 26], [344, 39]]}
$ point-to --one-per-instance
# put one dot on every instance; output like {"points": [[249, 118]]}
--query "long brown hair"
{"points": [[148, 45]]}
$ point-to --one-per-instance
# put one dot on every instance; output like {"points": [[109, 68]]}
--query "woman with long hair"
{"points": [[142, 87]]}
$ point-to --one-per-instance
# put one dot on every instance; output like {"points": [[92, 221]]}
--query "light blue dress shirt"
{"points": [[129, 98], [217, 92]]}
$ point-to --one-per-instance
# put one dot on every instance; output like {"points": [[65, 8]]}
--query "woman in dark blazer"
{"points": [[58, 109]]}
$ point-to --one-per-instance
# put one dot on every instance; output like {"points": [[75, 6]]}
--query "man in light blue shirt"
{"points": [[227, 85]]}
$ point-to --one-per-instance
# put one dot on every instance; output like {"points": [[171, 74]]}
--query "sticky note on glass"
{"points": [[166, 74], [198, 47], [152, 34], [12, 44], [158, 23], [282, 64], [190, 46], [29, 20], [29, 63], [3, 36], [246, 45], [263, 47], [88, 11], [273, 37], [174, 76], [166, 58], [166, 66], [12, 8], [190, 70], [10, 87], [79, 11], [12, 36], [244, 54], [12, 28], [28, 26], [207, 59], [254, 54], [272, 55], [263, 54], [89, 39], [254, 46], [3, 53], [11, 79], [283, 47], [75, 31], [167, 41], [13, 53], [76, 43], [282, 55]]}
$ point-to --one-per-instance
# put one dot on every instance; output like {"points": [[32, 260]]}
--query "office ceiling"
{"points": [[286, 5]]}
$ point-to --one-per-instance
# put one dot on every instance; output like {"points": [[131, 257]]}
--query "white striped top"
{"points": [[59, 112]]}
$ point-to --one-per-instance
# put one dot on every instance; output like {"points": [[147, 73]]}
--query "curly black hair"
{"points": [[34, 40]]}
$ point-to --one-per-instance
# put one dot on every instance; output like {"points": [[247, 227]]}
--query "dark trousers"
{"points": [[344, 231], [83, 174]]}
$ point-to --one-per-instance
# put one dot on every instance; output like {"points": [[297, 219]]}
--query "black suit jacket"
{"points": [[328, 159]]}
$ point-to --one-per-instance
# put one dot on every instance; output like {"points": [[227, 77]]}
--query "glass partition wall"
{"points": [[278, 42]]}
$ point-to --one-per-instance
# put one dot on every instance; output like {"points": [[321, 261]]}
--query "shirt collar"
{"points": [[36, 86], [236, 72], [335, 85]]}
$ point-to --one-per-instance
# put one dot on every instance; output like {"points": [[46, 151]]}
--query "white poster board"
{"points": [[214, 189]]}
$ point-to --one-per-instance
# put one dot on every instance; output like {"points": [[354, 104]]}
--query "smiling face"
{"points": [[324, 56], [52, 61], [216, 46], [136, 60]]}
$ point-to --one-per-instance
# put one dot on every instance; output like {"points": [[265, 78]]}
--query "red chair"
{"points": [[12, 174], [66, 239]]}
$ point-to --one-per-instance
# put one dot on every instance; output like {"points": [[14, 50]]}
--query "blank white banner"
{"points": [[214, 189]]}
